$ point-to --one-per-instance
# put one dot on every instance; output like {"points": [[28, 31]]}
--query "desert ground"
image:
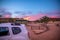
{"points": [[43, 31]]}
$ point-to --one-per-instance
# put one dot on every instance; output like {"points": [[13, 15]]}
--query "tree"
{"points": [[44, 19], [0, 16]]}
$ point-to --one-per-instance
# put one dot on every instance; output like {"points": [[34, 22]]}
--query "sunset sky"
{"points": [[31, 7]]}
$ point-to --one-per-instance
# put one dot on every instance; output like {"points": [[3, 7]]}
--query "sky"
{"points": [[30, 7]]}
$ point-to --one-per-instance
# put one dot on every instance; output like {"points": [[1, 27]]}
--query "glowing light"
{"points": [[26, 18]]}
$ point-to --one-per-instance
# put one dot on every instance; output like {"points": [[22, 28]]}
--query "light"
{"points": [[26, 18]]}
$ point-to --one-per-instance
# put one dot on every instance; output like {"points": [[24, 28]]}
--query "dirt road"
{"points": [[52, 33]]}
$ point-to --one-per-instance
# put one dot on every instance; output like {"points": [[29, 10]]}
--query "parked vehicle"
{"points": [[13, 31]]}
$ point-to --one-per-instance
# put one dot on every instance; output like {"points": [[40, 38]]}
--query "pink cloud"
{"points": [[35, 17], [53, 16], [39, 15]]}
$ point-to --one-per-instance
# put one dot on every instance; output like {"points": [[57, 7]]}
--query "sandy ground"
{"points": [[52, 31]]}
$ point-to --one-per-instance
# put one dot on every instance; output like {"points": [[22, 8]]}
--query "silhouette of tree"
{"points": [[0, 15], [44, 19]]}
